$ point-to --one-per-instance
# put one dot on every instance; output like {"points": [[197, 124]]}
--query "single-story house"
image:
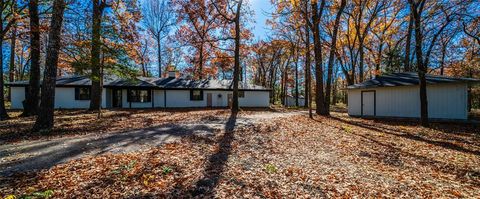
{"points": [[397, 95], [170, 92], [291, 101]]}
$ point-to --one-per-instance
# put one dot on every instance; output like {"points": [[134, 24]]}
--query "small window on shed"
{"points": [[82, 93], [196, 95]]}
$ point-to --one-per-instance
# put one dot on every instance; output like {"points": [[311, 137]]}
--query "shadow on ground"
{"points": [[45, 154]]}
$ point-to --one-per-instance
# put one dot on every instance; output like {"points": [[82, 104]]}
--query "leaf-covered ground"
{"points": [[80, 122], [294, 157]]}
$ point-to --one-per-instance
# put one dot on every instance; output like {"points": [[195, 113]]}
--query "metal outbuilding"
{"points": [[397, 95]]}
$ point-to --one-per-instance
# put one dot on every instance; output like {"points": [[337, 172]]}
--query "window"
{"points": [[82, 93], [196, 95], [241, 94], [139, 96]]}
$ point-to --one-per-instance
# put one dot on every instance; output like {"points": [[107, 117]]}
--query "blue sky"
{"points": [[261, 9]]}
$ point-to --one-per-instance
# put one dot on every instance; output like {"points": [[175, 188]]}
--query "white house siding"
{"points": [[158, 98], [181, 99], [18, 96], [64, 98], [445, 101]]}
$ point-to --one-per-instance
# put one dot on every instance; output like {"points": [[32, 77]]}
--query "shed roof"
{"points": [[145, 82], [408, 79]]}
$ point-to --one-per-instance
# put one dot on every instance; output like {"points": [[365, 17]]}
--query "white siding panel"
{"points": [[159, 98], [354, 102], [445, 101], [18, 96], [65, 98], [448, 101], [255, 99], [181, 99], [398, 102], [219, 98]]}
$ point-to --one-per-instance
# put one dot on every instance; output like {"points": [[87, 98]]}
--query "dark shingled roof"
{"points": [[408, 79], [144, 82]]}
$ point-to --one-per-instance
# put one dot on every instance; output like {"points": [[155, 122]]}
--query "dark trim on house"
{"points": [[152, 94], [192, 98], [145, 87], [165, 98], [374, 103], [78, 97]]}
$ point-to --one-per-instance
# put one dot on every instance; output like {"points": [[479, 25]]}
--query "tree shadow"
{"points": [[408, 135], [64, 149], [216, 162], [392, 155]]}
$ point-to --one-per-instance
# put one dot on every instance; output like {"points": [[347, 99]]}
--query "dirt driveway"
{"points": [[44, 153]]}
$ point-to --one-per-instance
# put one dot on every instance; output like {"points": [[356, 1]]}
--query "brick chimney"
{"points": [[172, 74]]}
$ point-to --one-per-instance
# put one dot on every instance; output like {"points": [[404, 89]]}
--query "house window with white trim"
{"points": [[139, 95], [196, 95], [82, 93], [241, 94]]}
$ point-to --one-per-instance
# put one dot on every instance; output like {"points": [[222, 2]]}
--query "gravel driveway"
{"points": [[42, 154]]}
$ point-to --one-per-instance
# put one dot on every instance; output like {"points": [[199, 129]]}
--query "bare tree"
{"points": [[158, 17]]}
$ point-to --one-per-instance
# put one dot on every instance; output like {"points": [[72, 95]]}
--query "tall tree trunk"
{"points": [[331, 57], [159, 49], [320, 96], [362, 56], [379, 58], [406, 61], [296, 75], [33, 92], [442, 60], [236, 70], [308, 79], [44, 122], [96, 76], [3, 111], [422, 69], [200, 63], [11, 70]]}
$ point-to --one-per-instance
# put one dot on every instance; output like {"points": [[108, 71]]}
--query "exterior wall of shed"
{"points": [[445, 101]]}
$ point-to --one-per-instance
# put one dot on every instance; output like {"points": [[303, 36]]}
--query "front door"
{"points": [[368, 103], [209, 100], [117, 98]]}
